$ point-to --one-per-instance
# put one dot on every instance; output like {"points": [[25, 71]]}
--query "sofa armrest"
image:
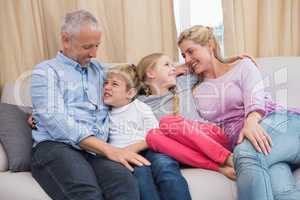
{"points": [[3, 159]]}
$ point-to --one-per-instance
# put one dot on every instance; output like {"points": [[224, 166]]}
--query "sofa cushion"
{"points": [[3, 159], [21, 185], [15, 136]]}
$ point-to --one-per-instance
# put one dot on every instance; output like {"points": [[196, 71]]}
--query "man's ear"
{"points": [[132, 92], [66, 40]]}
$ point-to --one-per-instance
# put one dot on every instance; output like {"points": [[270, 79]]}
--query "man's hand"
{"points": [[31, 122], [126, 157]]}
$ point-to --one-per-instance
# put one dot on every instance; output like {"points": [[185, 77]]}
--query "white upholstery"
{"points": [[281, 77], [3, 159]]}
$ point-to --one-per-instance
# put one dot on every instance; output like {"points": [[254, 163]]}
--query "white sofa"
{"points": [[281, 78]]}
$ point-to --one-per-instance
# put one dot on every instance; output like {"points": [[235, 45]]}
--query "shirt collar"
{"points": [[68, 61]]}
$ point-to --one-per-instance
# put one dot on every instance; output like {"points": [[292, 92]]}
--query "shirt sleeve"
{"points": [[252, 88], [50, 111]]}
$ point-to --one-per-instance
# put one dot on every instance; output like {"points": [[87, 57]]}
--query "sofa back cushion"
{"points": [[15, 136], [281, 79]]}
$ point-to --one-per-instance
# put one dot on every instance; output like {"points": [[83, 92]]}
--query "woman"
{"points": [[231, 95]]}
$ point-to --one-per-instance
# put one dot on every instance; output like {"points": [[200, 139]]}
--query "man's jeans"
{"points": [[261, 177], [67, 173], [162, 180]]}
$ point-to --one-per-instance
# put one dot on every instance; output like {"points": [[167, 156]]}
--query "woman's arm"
{"points": [[254, 105]]}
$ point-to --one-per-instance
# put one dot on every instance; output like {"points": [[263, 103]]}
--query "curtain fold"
{"points": [[30, 31], [262, 27]]}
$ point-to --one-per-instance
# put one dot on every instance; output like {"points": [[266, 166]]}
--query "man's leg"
{"points": [[115, 180], [63, 172], [168, 178]]}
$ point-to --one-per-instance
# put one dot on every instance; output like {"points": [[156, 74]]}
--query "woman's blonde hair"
{"points": [[128, 72], [202, 35], [149, 62]]}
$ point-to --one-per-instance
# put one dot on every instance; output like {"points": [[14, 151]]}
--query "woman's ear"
{"points": [[211, 45]]}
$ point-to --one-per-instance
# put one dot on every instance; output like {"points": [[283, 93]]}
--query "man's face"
{"points": [[82, 46]]}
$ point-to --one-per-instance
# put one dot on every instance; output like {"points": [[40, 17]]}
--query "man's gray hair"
{"points": [[74, 21]]}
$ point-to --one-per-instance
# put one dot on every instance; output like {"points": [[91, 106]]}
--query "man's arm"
{"points": [[49, 108], [123, 156]]}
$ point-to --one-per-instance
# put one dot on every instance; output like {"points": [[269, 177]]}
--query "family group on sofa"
{"points": [[124, 132]]}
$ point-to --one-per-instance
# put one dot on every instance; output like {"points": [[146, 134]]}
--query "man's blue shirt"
{"points": [[67, 101]]}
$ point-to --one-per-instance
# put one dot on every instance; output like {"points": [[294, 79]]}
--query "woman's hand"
{"points": [[256, 134], [182, 69]]}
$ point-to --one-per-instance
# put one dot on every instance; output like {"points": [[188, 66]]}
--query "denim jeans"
{"points": [[261, 177], [167, 176], [67, 173], [147, 186]]}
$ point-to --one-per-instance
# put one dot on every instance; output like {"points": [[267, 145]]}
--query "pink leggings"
{"points": [[190, 142]]}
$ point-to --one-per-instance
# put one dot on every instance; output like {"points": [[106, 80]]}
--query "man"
{"points": [[71, 159]]}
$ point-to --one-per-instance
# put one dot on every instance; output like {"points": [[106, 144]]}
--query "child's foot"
{"points": [[229, 161], [228, 172]]}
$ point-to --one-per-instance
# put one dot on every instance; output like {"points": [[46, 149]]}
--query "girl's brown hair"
{"points": [[149, 62]]}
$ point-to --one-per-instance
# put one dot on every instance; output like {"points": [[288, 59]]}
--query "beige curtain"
{"points": [[262, 27], [132, 28]]}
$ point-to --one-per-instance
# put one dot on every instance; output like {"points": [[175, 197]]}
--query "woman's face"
{"points": [[198, 57], [164, 72]]}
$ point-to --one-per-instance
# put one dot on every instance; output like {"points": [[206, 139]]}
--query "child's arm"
{"points": [[137, 147]]}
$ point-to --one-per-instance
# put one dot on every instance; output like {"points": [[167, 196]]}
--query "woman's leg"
{"points": [[283, 182], [159, 142], [252, 167], [200, 137]]}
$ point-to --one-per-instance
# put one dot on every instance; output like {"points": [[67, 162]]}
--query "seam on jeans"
{"points": [[52, 175], [297, 157], [266, 171]]}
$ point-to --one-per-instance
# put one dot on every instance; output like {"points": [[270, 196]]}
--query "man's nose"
{"points": [[93, 52]]}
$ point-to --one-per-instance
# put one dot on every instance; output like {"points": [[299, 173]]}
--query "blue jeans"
{"points": [[167, 176], [162, 180], [67, 173], [147, 186], [261, 177]]}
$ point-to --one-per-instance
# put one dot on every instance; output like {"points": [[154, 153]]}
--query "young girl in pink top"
{"points": [[194, 143]]}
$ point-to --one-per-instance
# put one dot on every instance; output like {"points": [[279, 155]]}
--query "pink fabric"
{"points": [[190, 142]]}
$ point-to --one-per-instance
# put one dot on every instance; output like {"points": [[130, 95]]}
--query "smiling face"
{"points": [[199, 57], [163, 73], [82, 46], [116, 91]]}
